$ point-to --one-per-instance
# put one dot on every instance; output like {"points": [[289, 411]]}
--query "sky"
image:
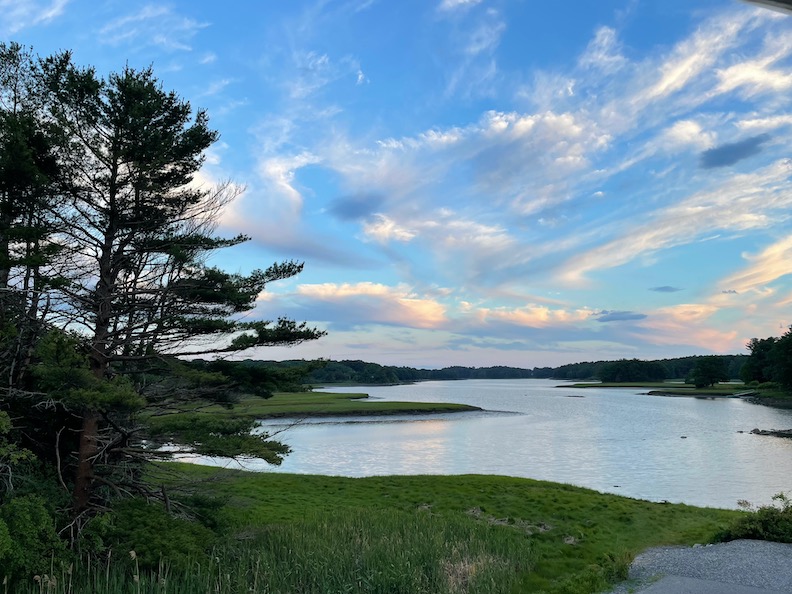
{"points": [[482, 182]]}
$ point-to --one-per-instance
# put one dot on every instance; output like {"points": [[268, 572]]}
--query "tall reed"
{"points": [[351, 552]]}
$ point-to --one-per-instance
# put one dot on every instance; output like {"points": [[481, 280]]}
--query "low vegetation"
{"points": [[438, 534], [310, 404], [769, 522]]}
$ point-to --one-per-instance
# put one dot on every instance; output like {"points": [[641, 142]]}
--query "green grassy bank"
{"points": [[314, 404], [577, 539], [402, 534]]}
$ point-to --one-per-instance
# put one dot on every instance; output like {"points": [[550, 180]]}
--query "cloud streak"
{"points": [[16, 15], [152, 25]]}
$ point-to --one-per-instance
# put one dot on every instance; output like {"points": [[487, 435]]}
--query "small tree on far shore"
{"points": [[709, 371]]}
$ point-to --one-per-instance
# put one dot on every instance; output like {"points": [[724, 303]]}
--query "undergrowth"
{"points": [[367, 551], [769, 522]]}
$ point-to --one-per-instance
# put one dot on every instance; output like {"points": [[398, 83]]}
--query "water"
{"points": [[620, 440]]}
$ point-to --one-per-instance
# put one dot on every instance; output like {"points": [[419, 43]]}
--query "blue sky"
{"points": [[483, 182]]}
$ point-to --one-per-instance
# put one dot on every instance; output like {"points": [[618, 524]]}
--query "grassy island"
{"points": [[322, 404], [768, 396]]}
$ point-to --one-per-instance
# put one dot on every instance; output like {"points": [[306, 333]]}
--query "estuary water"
{"points": [[617, 440]]}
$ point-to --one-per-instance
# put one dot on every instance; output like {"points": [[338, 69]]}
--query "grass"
{"points": [[577, 540], [466, 534], [359, 551], [310, 404]]}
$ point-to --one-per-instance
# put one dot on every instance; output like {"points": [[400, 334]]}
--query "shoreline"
{"points": [[300, 405], [695, 394], [429, 409]]}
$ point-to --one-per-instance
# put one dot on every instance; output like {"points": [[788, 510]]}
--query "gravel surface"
{"points": [[753, 563]]}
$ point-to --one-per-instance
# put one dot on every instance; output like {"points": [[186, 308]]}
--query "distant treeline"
{"points": [[634, 370], [362, 372]]}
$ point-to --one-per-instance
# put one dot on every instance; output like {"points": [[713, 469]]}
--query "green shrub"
{"points": [[769, 386], [771, 522], [28, 540], [155, 535]]}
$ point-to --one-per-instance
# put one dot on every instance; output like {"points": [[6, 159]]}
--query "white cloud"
{"points": [[448, 5], [313, 71], [771, 264], [689, 324], [152, 25], [765, 124], [368, 303], [473, 68], [753, 78], [217, 86], [485, 38], [528, 191], [745, 202], [603, 52], [278, 174], [534, 316], [696, 55], [686, 134], [16, 15], [383, 229]]}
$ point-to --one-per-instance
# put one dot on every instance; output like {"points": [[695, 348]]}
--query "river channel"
{"points": [[677, 449]]}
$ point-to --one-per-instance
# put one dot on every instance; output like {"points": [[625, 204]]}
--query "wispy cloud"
{"points": [[448, 5], [603, 52], [383, 229], [16, 15], [764, 268], [373, 303], [534, 316], [153, 24], [217, 86], [732, 207], [475, 66], [313, 71], [587, 170], [689, 324]]}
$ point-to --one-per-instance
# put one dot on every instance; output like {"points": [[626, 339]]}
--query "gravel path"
{"points": [[737, 566]]}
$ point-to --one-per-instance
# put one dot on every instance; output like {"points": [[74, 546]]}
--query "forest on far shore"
{"points": [[624, 370]]}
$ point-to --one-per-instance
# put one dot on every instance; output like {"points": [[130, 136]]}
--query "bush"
{"points": [[769, 386], [155, 535], [28, 540], [771, 522]]}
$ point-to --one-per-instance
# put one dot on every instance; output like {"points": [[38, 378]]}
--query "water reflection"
{"points": [[617, 440]]}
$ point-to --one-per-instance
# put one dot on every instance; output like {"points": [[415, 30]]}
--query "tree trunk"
{"points": [[83, 481], [97, 359]]}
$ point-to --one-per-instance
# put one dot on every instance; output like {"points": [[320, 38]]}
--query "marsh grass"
{"points": [[568, 539], [357, 551], [311, 404], [305, 534]]}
